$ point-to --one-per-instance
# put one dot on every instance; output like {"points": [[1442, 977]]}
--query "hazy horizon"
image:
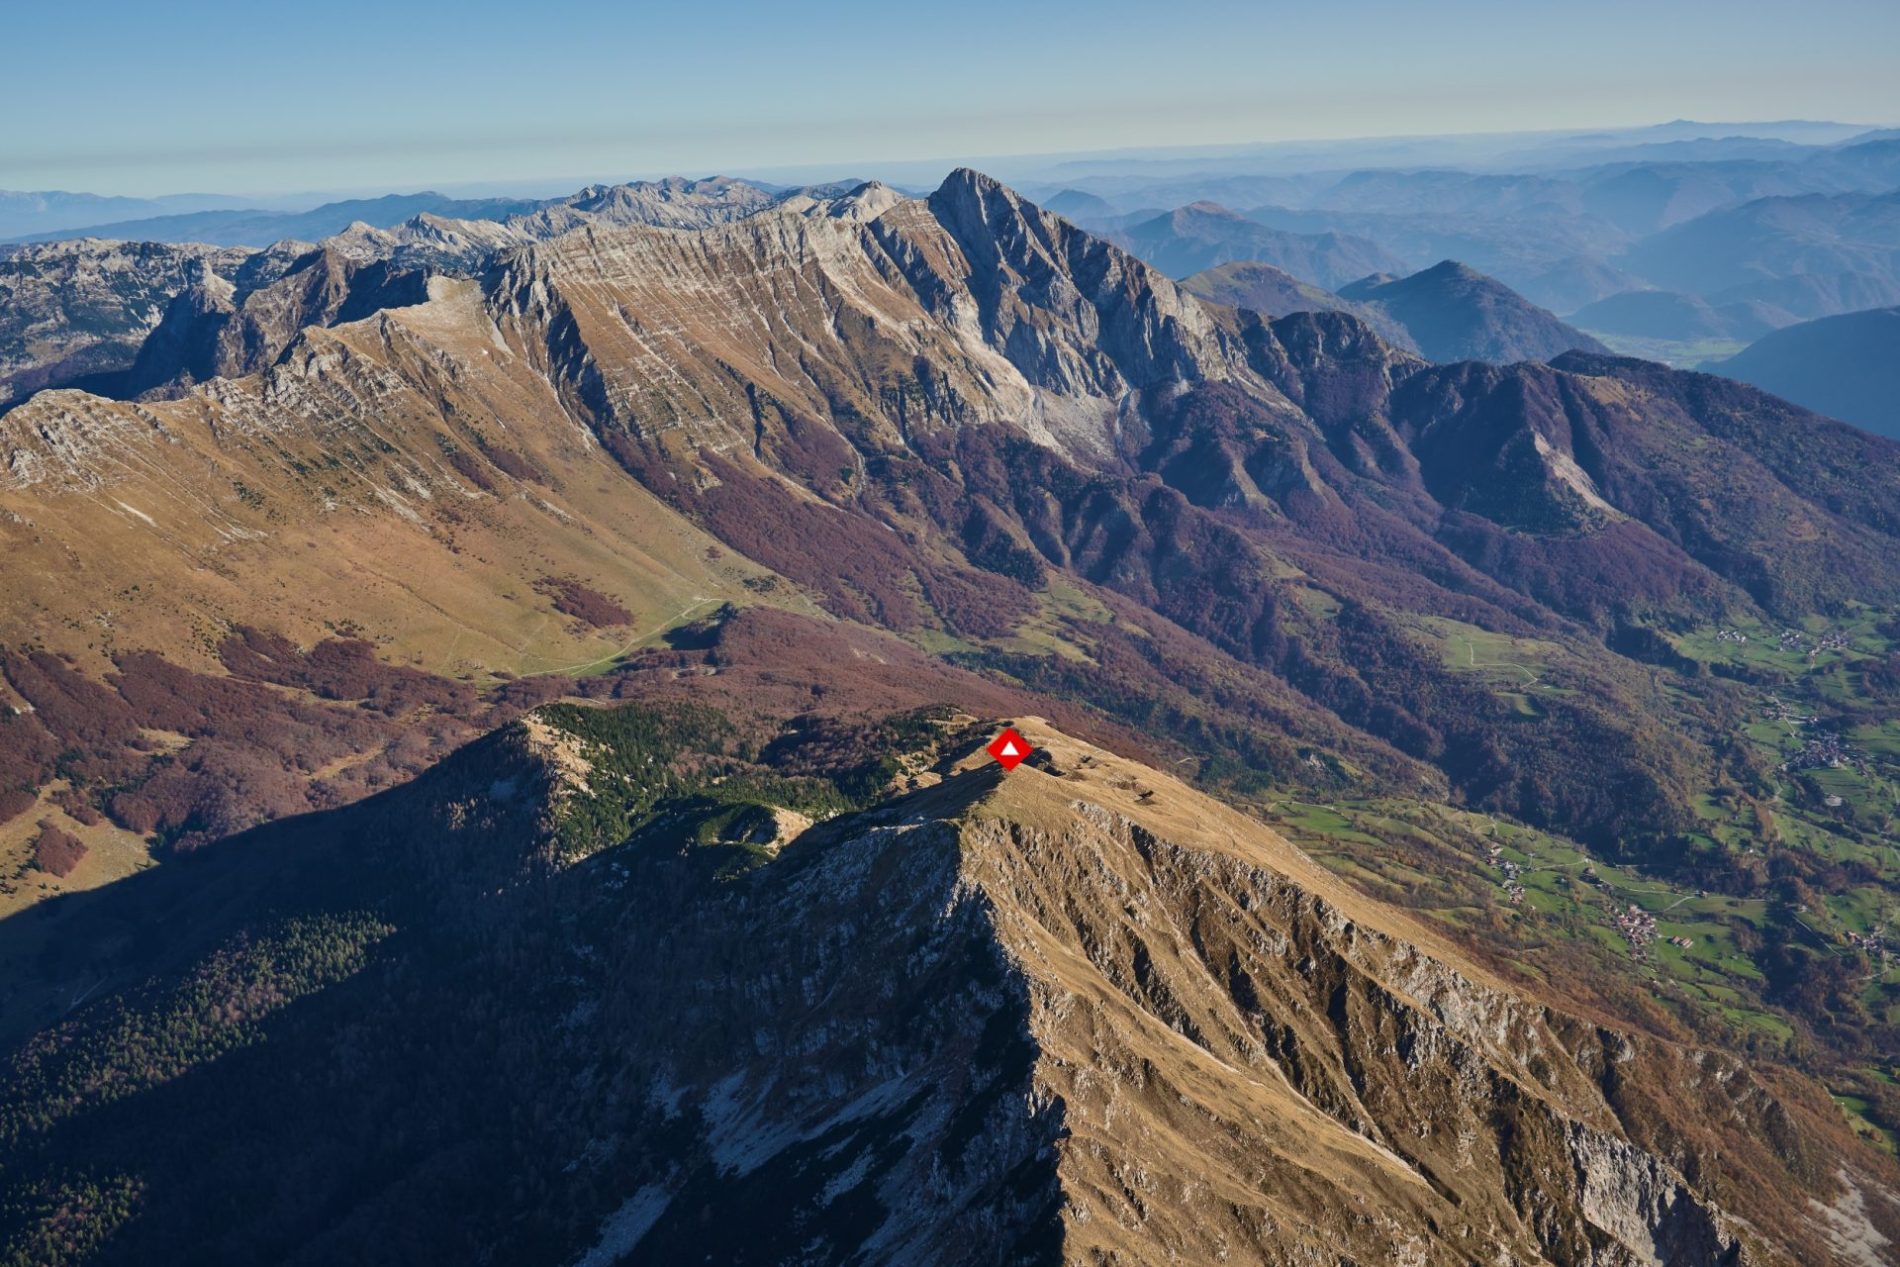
{"points": [[1037, 166], [285, 105]]}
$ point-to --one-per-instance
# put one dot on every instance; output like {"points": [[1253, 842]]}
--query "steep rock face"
{"points": [[184, 345], [1027, 269], [217, 329], [1253, 1063], [873, 314], [70, 310]]}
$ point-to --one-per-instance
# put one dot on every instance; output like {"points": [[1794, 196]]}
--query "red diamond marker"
{"points": [[1009, 748]]}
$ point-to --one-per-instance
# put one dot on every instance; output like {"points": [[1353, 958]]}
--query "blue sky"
{"points": [[197, 95]]}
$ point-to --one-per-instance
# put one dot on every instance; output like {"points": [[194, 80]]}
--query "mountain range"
{"points": [[80, 312], [72, 310], [26, 213], [1812, 255], [1793, 226], [498, 632], [1206, 235], [247, 227]]}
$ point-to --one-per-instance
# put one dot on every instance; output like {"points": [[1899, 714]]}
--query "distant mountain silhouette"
{"points": [[1814, 255], [1204, 235], [261, 228], [1847, 367], [1455, 313], [24, 212]]}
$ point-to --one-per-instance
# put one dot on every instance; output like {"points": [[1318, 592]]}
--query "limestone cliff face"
{"points": [[870, 313]]}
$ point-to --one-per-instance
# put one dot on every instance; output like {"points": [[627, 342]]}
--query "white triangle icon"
{"points": [[1009, 748]]}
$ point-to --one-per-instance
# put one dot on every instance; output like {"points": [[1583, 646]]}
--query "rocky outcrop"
{"points": [[214, 329], [79, 311]]}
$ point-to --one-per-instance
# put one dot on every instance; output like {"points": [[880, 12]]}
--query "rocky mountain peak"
{"points": [[968, 198]]}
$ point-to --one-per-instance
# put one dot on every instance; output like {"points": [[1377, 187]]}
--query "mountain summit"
{"points": [[1072, 1014]]}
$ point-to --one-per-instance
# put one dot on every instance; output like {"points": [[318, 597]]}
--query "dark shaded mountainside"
{"points": [[1277, 546], [1455, 313], [1274, 292], [1846, 367], [76, 310]]}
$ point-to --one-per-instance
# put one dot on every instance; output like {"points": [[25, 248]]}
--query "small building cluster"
{"points": [[1798, 640], [1513, 887], [1639, 926], [1825, 750], [1875, 943]]}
